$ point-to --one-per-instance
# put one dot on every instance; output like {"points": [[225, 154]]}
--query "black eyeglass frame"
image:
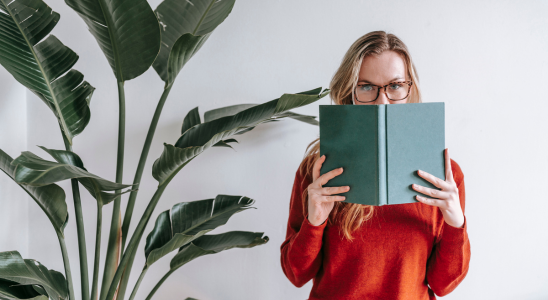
{"points": [[410, 82]]}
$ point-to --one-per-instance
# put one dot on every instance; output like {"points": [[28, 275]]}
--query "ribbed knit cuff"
{"points": [[311, 231], [454, 234]]}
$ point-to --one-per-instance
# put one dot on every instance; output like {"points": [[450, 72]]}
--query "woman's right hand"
{"points": [[320, 201]]}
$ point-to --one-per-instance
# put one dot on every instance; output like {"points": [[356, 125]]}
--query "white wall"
{"points": [[485, 59], [14, 201]]}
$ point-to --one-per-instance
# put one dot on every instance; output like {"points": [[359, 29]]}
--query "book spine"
{"points": [[381, 155]]}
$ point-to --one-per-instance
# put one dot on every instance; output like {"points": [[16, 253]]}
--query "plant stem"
{"points": [[141, 166], [125, 280], [136, 287], [157, 286], [84, 273], [131, 250], [136, 181], [94, 287], [114, 242], [66, 262]]}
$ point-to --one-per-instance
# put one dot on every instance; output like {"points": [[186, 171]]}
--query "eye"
{"points": [[394, 86], [365, 87]]}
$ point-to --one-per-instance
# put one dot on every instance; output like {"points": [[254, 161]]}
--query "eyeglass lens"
{"points": [[394, 91]]}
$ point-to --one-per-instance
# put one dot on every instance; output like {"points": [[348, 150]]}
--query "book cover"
{"points": [[381, 147]]}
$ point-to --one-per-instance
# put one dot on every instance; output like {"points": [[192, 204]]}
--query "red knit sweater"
{"points": [[406, 251]]}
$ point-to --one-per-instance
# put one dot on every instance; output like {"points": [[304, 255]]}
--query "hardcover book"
{"points": [[381, 147]]}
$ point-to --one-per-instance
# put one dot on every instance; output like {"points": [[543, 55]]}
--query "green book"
{"points": [[381, 147]]}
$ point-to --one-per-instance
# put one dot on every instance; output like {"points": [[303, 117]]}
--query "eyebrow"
{"points": [[393, 79]]}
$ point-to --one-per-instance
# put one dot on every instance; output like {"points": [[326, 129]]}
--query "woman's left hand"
{"points": [[447, 199]]}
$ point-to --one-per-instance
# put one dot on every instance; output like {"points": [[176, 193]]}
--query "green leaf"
{"points": [[230, 141], [250, 117], [188, 221], [225, 143], [39, 65], [225, 111], [30, 272], [50, 198], [186, 25], [211, 244], [127, 32], [71, 158], [303, 118], [181, 52], [234, 109], [10, 290], [200, 137], [34, 171], [192, 118]]}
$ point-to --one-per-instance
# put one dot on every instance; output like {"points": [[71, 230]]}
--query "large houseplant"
{"points": [[133, 37]]}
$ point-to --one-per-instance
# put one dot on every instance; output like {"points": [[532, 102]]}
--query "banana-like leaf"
{"points": [[32, 170], [39, 65], [303, 118], [186, 25], [211, 244], [250, 117], [192, 118], [225, 143], [225, 111], [30, 272], [127, 32], [71, 158], [234, 109], [200, 137], [50, 198], [188, 221], [10, 290]]}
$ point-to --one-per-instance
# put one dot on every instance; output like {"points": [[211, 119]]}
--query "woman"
{"points": [[353, 251]]}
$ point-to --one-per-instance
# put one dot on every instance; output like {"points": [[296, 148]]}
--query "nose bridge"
{"points": [[382, 99]]}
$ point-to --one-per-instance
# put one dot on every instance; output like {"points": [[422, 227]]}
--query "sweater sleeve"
{"points": [[450, 258], [301, 252]]}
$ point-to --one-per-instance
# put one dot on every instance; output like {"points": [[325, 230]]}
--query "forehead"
{"points": [[383, 68]]}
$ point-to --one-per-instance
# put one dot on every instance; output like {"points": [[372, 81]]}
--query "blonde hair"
{"points": [[350, 215]]}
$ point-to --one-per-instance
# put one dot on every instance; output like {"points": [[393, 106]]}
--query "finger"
{"points": [[431, 192], [317, 167], [332, 198], [437, 182], [334, 190], [429, 201], [448, 170], [329, 175]]}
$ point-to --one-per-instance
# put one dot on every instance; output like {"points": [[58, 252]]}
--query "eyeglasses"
{"points": [[394, 91]]}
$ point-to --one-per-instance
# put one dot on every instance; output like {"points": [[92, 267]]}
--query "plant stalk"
{"points": [[84, 273], [94, 286], [136, 287], [136, 181], [131, 250], [157, 286], [114, 242], [125, 279], [141, 166], [66, 262]]}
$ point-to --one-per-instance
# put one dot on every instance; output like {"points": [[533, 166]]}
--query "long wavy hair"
{"points": [[350, 215]]}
